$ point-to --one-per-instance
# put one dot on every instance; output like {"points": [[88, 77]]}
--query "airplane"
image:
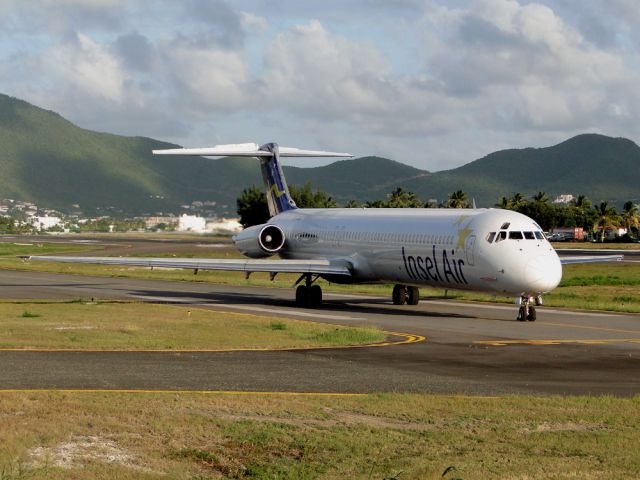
{"points": [[486, 250]]}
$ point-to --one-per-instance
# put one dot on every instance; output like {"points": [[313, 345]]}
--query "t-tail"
{"points": [[278, 196]]}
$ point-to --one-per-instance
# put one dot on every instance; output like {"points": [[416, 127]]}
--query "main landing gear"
{"points": [[527, 311], [404, 294], [308, 295]]}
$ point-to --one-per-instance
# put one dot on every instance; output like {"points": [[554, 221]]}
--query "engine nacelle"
{"points": [[260, 241]]}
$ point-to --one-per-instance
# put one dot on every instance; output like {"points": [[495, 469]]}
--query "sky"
{"points": [[430, 83]]}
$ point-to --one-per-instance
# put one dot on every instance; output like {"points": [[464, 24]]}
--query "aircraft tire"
{"points": [[522, 314], [315, 296], [532, 314], [399, 295], [302, 296], [413, 295]]}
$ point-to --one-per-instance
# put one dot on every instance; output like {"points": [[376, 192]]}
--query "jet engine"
{"points": [[260, 241]]}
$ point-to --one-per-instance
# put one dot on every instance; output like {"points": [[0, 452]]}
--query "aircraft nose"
{"points": [[544, 272]]}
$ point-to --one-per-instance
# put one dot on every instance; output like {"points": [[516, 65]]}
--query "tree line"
{"points": [[580, 212]]}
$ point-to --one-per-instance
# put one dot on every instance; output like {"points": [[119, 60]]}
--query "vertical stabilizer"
{"points": [[278, 196]]}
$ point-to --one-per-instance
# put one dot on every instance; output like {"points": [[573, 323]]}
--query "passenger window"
{"points": [[539, 235], [515, 235], [529, 236], [491, 236], [501, 236]]}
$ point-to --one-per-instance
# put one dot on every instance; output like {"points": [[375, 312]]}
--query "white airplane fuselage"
{"points": [[489, 250]]}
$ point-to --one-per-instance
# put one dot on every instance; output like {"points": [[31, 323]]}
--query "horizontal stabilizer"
{"points": [[247, 150]]}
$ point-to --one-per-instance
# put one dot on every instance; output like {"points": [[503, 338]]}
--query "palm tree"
{"points": [[541, 197], [517, 201], [503, 203], [583, 214], [401, 198], [458, 199], [630, 215], [606, 216]]}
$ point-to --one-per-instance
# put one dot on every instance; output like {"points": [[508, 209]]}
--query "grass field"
{"points": [[60, 435], [144, 326]]}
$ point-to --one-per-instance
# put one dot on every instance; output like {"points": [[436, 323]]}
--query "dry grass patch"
{"points": [[143, 326], [118, 435]]}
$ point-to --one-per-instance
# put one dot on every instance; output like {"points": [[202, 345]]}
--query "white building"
{"points": [[191, 223], [224, 226], [564, 199], [45, 223]]}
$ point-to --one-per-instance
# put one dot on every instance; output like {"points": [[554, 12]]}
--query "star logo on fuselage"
{"points": [[461, 219], [463, 234]]}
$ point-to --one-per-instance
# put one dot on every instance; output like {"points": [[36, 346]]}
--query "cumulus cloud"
{"points": [[86, 66], [477, 74]]}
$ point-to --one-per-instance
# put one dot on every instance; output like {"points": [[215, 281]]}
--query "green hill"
{"points": [[48, 160], [600, 167]]}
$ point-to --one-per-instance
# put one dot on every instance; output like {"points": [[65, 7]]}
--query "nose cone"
{"points": [[543, 273]]}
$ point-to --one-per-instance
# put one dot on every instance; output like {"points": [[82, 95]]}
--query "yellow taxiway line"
{"points": [[407, 338], [189, 392], [592, 341]]}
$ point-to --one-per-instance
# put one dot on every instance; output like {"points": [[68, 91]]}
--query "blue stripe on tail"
{"points": [[278, 196]]}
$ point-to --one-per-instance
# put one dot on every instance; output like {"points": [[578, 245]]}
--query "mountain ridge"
{"points": [[50, 161]]}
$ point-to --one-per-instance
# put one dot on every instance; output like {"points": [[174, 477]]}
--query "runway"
{"points": [[470, 349]]}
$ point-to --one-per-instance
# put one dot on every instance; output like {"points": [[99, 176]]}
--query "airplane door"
{"points": [[470, 247]]}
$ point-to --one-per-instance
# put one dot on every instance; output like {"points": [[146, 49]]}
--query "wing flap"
{"points": [[322, 267]]}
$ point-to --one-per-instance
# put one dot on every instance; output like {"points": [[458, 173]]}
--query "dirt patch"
{"points": [[338, 418], [81, 450], [564, 427]]}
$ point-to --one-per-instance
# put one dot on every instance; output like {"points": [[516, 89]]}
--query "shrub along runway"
{"points": [[475, 349]]}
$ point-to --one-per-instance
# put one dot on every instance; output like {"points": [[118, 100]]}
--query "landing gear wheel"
{"points": [[532, 314], [302, 296], [315, 296], [399, 295], [522, 314], [413, 295]]}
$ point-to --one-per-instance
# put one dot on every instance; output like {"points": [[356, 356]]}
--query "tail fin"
{"points": [[278, 196]]}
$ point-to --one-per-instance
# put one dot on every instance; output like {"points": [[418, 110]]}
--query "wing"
{"points": [[321, 267], [591, 259]]}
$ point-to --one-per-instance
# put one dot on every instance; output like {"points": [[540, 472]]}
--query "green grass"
{"points": [[378, 436], [134, 326], [10, 249]]}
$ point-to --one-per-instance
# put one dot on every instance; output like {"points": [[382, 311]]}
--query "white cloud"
{"points": [[85, 66], [209, 79], [457, 80]]}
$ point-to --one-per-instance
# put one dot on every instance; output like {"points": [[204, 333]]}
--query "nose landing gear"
{"points": [[527, 311]]}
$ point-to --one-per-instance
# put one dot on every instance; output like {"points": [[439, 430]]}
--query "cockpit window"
{"points": [[491, 236], [505, 225], [515, 235], [539, 235], [529, 236], [501, 236]]}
